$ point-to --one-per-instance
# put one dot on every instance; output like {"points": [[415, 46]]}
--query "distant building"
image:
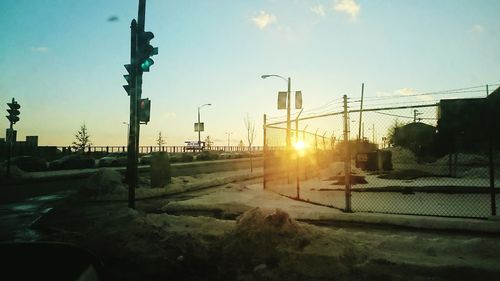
{"points": [[417, 137], [466, 125]]}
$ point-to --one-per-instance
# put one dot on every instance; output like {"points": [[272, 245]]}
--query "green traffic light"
{"points": [[147, 64]]}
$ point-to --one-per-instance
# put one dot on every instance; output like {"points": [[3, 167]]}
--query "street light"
{"points": [[289, 82], [199, 125], [228, 139], [128, 129]]}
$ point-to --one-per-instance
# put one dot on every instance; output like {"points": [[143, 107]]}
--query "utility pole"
{"points": [[347, 160], [361, 111], [288, 106], [297, 167]]}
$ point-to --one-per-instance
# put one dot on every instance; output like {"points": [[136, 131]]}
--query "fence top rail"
{"points": [[394, 107], [352, 111], [307, 118]]}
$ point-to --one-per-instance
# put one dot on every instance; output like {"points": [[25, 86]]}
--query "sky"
{"points": [[63, 61]]}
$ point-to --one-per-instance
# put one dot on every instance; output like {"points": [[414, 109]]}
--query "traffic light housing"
{"points": [[144, 110], [13, 111], [130, 77], [145, 51]]}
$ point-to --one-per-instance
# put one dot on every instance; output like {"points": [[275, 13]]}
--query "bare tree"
{"points": [[82, 139], [208, 142], [250, 126], [160, 141]]}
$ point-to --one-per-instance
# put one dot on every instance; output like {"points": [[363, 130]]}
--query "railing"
{"points": [[150, 149]]}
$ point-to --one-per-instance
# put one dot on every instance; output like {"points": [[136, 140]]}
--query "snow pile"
{"points": [[15, 172], [402, 155], [104, 182], [263, 238], [337, 169], [465, 159]]}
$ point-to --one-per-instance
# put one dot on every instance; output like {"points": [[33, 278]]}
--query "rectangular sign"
{"points": [[282, 100], [199, 127], [298, 99]]}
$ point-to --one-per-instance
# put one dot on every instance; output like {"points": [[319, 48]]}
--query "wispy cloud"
{"points": [[40, 49], [406, 91], [263, 19], [349, 7], [318, 10], [477, 28]]}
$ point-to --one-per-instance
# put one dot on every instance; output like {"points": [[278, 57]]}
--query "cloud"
{"points": [[383, 94], [477, 28], [318, 10], [263, 20], [40, 49], [406, 91], [349, 7]]}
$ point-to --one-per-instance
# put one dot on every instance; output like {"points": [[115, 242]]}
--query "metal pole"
{"points": [[9, 150], [490, 158], [297, 170], [361, 110], [347, 160], [264, 150], [199, 129], [288, 141], [132, 138]]}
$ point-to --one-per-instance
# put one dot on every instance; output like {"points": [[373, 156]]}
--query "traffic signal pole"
{"points": [[9, 148], [140, 62], [133, 132], [13, 117]]}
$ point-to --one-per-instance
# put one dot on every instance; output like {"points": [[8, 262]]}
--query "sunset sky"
{"points": [[63, 60]]}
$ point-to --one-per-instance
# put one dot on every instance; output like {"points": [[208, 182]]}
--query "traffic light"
{"points": [[144, 110], [130, 77], [13, 111], [145, 51]]}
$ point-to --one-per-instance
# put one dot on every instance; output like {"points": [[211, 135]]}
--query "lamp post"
{"points": [[289, 82], [199, 125], [128, 128], [228, 139]]}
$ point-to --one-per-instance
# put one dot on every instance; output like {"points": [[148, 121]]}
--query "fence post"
{"points": [[297, 163], [264, 153], [491, 142], [347, 160]]}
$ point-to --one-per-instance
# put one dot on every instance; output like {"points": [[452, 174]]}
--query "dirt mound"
{"points": [[104, 182], [262, 238]]}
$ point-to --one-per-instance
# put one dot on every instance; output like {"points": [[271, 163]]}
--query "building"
{"points": [[468, 125]]}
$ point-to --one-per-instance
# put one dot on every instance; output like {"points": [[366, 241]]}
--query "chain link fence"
{"points": [[425, 159]]}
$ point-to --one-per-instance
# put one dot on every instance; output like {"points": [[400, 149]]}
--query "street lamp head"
{"points": [[264, 76], [204, 105]]}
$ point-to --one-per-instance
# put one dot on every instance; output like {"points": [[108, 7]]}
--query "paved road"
{"points": [[22, 204]]}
